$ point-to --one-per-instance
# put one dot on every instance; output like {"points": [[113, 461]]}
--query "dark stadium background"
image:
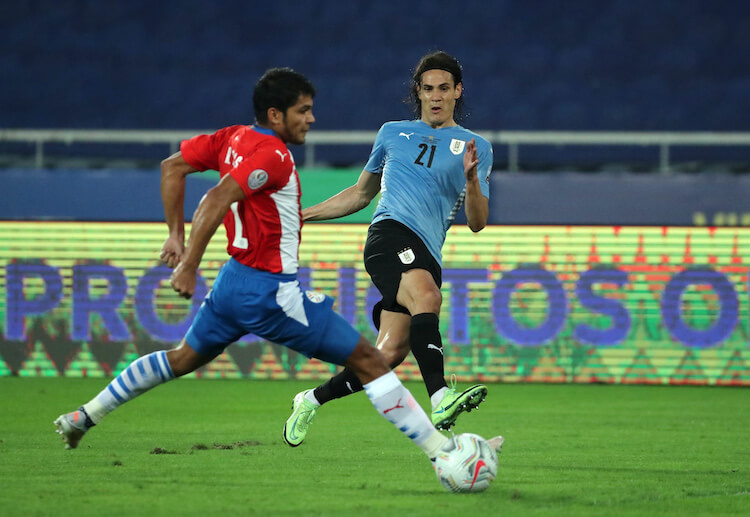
{"points": [[581, 65]]}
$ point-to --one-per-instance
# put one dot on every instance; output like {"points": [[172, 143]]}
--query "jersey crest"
{"points": [[257, 179], [315, 296], [457, 146], [406, 256]]}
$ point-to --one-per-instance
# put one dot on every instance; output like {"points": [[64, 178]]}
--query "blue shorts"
{"points": [[244, 300]]}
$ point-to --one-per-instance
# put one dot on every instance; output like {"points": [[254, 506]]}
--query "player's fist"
{"points": [[183, 280], [171, 252]]}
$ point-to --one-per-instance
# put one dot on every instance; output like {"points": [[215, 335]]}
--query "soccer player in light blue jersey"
{"points": [[426, 170]]}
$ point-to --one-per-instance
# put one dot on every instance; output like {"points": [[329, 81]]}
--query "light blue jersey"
{"points": [[423, 184]]}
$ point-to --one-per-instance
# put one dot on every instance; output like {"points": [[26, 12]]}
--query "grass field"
{"points": [[201, 447]]}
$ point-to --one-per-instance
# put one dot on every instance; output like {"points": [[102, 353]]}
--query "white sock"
{"points": [[140, 376], [310, 396], [398, 406], [438, 396]]}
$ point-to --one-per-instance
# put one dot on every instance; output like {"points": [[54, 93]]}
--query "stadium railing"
{"points": [[664, 141]]}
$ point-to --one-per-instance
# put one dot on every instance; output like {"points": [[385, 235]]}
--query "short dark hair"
{"points": [[279, 88], [438, 60]]}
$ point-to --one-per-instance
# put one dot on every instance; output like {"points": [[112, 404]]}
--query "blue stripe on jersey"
{"points": [[423, 184]]}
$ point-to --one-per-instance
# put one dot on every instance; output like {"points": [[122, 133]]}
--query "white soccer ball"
{"points": [[466, 463]]}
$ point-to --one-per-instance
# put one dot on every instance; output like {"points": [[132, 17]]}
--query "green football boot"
{"points": [[455, 403], [303, 412]]}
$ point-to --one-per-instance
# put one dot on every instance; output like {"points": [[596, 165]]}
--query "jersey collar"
{"points": [[437, 128], [264, 130]]}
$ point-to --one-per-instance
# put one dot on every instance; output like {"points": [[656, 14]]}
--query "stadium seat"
{"points": [[627, 65]]}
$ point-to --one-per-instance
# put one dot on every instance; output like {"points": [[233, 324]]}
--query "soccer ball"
{"points": [[466, 463]]}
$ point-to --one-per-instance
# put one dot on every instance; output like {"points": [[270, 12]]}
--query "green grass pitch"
{"points": [[202, 447]]}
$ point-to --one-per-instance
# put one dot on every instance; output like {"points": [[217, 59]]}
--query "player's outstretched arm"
{"points": [[348, 201], [206, 220], [173, 172], [477, 206]]}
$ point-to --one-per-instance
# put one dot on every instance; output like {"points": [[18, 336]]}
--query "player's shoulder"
{"points": [[397, 126], [251, 136], [482, 142], [257, 139], [230, 132], [270, 152]]}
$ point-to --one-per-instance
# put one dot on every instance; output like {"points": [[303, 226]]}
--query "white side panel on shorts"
{"points": [[289, 297]]}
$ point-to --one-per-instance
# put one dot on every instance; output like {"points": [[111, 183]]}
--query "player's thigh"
{"points": [[307, 323], [419, 292], [214, 327], [391, 250]]}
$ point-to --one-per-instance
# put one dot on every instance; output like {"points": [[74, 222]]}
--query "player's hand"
{"points": [[471, 160], [183, 280], [172, 251]]}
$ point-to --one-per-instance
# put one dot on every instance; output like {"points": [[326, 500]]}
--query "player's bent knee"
{"points": [[430, 301], [427, 299], [184, 360]]}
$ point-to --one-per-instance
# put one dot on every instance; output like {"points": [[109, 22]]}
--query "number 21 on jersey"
{"points": [[420, 158]]}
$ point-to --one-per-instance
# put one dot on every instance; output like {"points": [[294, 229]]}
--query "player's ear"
{"points": [[275, 116], [459, 89]]}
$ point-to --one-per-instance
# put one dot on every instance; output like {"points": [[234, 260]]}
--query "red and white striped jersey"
{"points": [[263, 229]]}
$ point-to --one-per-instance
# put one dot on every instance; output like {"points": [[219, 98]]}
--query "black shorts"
{"points": [[390, 250]]}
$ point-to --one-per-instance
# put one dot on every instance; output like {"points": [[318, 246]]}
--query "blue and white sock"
{"points": [[140, 376], [398, 406]]}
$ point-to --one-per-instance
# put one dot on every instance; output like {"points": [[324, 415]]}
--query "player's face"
{"points": [[438, 95], [297, 120]]}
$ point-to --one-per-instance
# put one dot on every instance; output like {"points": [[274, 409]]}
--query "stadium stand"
{"points": [[625, 66], [636, 65]]}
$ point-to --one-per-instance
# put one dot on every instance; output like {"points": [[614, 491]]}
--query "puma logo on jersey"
{"points": [[282, 155], [435, 347], [404, 134]]}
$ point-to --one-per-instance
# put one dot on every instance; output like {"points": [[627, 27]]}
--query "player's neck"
{"points": [[447, 123], [265, 129]]}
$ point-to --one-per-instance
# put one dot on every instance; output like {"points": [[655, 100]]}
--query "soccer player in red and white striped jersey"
{"points": [[256, 291]]}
